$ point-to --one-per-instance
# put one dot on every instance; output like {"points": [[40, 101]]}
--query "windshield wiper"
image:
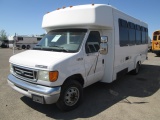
{"points": [[60, 48], [50, 48]]}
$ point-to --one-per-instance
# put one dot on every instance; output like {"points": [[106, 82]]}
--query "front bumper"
{"points": [[49, 94]]}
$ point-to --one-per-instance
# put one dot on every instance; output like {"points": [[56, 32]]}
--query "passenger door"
{"points": [[94, 61]]}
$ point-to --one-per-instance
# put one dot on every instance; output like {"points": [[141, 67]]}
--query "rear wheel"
{"points": [[28, 46], [136, 70], [71, 95], [23, 47]]}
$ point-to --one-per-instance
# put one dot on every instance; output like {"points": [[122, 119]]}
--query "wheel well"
{"points": [[139, 62], [77, 77]]}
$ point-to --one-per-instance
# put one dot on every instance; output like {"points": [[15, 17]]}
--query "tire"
{"points": [[23, 47], [71, 95], [136, 70], [158, 54], [28, 46]]}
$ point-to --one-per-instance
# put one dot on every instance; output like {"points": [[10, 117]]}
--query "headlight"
{"points": [[11, 68], [51, 76]]}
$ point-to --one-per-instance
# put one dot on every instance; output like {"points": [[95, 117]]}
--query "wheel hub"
{"points": [[71, 96]]}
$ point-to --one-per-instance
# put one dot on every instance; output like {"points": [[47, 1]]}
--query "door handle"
{"points": [[127, 58], [103, 61]]}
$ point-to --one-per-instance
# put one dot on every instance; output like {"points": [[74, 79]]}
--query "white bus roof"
{"points": [[86, 16], [82, 15]]}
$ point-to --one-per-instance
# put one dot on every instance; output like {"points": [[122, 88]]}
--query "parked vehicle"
{"points": [[156, 42], [4, 43], [78, 50], [24, 42]]}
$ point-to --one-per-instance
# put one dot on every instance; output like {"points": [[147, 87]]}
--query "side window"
{"points": [[132, 33], [146, 35], [143, 35], [20, 38], [93, 41], [123, 32], [138, 35]]}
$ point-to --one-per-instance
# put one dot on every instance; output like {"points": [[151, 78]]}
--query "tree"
{"points": [[3, 35]]}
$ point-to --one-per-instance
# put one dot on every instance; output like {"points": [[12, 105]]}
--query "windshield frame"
{"points": [[60, 48]]}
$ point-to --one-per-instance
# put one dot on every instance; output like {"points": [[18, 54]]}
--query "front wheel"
{"points": [[23, 47], [71, 95]]}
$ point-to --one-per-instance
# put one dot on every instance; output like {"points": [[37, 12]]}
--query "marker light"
{"points": [[48, 76], [53, 76]]}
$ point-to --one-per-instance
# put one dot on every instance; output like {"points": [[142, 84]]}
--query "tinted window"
{"points": [[143, 35], [132, 33], [146, 35], [138, 34], [93, 41], [20, 38], [123, 32], [154, 37]]}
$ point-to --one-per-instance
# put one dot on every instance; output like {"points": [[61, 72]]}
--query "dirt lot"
{"points": [[129, 98]]}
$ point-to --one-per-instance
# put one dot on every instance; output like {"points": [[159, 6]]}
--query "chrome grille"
{"points": [[25, 73]]}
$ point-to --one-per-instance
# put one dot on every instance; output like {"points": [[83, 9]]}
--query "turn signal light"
{"points": [[53, 76]]}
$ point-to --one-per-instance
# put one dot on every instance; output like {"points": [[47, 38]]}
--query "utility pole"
{"points": [[14, 41]]}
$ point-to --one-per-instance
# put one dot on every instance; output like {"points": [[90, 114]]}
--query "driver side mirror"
{"points": [[103, 45]]}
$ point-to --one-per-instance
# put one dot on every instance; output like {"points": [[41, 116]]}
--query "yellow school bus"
{"points": [[156, 42]]}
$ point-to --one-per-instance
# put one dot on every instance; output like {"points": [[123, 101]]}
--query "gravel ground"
{"points": [[129, 98]]}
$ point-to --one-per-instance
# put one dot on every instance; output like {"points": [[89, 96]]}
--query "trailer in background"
{"points": [[4, 43], [23, 42]]}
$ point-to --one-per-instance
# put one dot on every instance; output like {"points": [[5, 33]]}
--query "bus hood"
{"points": [[39, 59]]}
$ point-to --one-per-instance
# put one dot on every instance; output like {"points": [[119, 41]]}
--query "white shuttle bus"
{"points": [[84, 44], [23, 42]]}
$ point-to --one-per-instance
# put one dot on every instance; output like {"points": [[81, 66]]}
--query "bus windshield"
{"points": [[64, 40], [156, 35]]}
